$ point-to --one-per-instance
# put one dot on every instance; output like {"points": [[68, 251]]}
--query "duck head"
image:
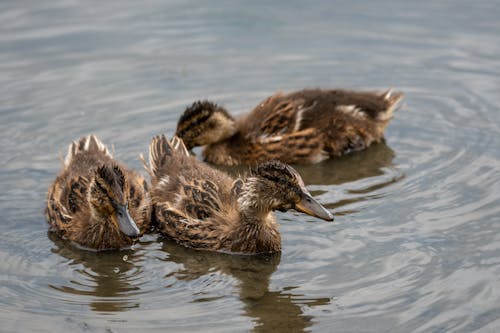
{"points": [[204, 123], [277, 186], [109, 201]]}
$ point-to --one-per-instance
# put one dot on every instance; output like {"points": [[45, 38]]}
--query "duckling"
{"points": [[95, 201], [204, 208], [306, 126]]}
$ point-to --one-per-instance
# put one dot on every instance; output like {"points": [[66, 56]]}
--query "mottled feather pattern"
{"points": [[90, 144], [111, 180], [197, 113], [306, 126], [282, 120], [78, 188], [90, 174], [304, 146], [198, 122], [300, 146], [197, 206], [186, 229]]}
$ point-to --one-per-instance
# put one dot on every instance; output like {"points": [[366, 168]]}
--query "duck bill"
{"points": [[126, 222], [310, 206]]}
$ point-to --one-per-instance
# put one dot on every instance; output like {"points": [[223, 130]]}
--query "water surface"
{"points": [[416, 241]]}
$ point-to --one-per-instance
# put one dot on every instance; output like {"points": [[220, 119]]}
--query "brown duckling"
{"points": [[306, 126], [204, 208], [95, 201]]}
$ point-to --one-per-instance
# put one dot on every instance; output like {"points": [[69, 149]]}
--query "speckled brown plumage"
{"points": [[83, 202], [306, 126], [204, 208]]}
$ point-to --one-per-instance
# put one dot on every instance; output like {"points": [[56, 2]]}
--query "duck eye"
{"points": [[120, 213]]}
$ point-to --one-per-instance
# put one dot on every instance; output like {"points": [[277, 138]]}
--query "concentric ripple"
{"points": [[415, 243], [421, 250]]}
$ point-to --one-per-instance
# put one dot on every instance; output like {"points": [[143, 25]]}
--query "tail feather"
{"points": [[179, 145], [160, 149], [394, 102], [88, 143]]}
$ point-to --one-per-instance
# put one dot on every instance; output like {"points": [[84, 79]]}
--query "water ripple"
{"points": [[415, 241]]}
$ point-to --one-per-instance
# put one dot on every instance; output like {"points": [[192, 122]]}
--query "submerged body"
{"points": [[306, 126], [96, 201], [204, 208]]}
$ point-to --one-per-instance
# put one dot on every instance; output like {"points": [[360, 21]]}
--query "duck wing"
{"points": [[188, 195], [184, 228], [309, 125], [277, 115], [66, 198], [274, 130], [194, 215], [315, 108]]}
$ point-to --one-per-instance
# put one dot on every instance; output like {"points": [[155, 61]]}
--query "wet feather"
{"points": [[204, 208], [80, 201], [306, 126]]}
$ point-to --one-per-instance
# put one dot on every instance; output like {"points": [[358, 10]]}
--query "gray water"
{"points": [[415, 246]]}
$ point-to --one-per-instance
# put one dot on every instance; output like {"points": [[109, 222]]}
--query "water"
{"points": [[416, 241]]}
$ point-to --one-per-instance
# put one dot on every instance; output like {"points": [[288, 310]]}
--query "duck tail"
{"points": [[394, 102], [89, 143], [179, 146], [160, 149]]}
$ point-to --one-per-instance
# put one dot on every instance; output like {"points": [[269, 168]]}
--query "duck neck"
{"points": [[219, 153], [258, 231], [255, 203]]}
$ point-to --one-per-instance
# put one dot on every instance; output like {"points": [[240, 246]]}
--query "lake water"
{"points": [[415, 246]]}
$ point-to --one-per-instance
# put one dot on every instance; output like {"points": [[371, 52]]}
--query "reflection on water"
{"points": [[110, 281], [415, 244], [272, 311], [361, 176], [105, 276], [350, 168], [107, 281]]}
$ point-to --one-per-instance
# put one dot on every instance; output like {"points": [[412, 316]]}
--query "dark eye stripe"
{"points": [[119, 176], [193, 123], [276, 179], [101, 187]]}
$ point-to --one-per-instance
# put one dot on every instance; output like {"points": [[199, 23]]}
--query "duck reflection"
{"points": [[349, 168], [105, 276], [272, 311], [370, 170]]}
